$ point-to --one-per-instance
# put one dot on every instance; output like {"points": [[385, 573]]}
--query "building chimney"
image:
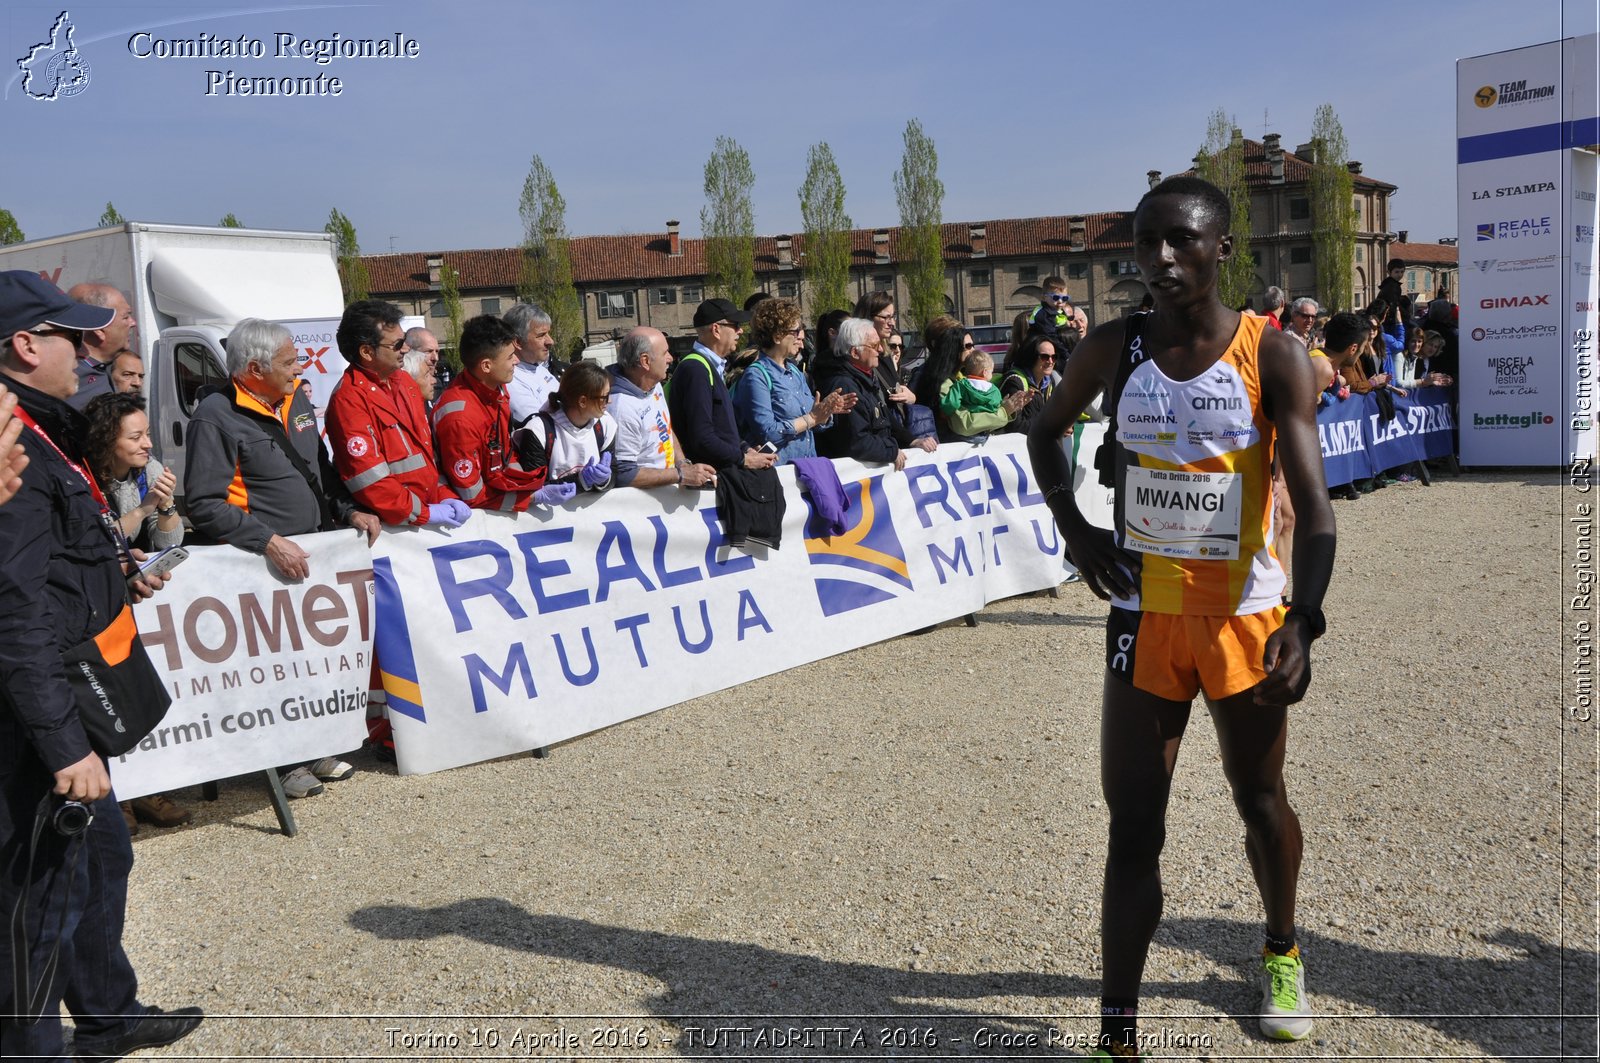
{"points": [[1077, 226], [1272, 144], [1153, 177], [880, 246], [1237, 137], [1403, 234], [977, 236], [785, 252], [1306, 151], [674, 248], [1353, 166], [435, 263]]}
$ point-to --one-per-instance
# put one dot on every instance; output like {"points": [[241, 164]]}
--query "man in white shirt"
{"points": [[533, 383], [646, 452]]}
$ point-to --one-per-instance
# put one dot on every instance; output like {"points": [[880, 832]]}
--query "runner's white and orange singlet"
{"points": [[1195, 484]]}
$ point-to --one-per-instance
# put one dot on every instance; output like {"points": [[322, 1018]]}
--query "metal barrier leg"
{"points": [[280, 804]]}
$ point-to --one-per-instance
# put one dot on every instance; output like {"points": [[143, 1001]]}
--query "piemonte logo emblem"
{"points": [[54, 69]]}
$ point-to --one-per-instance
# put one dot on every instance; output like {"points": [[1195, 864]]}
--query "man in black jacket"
{"points": [[697, 396], [866, 432], [61, 584]]}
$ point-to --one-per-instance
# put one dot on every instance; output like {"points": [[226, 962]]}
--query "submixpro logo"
{"points": [[1514, 332]]}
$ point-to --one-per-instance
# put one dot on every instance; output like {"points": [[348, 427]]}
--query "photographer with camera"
{"points": [[68, 645]]}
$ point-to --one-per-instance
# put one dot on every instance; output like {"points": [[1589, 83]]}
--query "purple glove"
{"points": [[452, 513], [596, 473], [555, 494]]}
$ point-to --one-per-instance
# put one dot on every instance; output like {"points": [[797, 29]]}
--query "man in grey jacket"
{"points": [[257, 471]]}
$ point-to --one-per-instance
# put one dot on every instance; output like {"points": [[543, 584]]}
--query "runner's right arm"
{"points": [[1105, 567]]}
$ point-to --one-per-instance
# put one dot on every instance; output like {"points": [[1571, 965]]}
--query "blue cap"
{"points": [[27, 301]]}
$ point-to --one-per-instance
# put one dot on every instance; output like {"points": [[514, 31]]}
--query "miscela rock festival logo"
{"points": [[54, 69]]}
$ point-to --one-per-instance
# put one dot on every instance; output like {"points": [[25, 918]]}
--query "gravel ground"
{"points": [[730, 876]]}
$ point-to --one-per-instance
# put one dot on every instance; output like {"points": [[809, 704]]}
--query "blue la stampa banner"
{"points": [[1357, 442]]}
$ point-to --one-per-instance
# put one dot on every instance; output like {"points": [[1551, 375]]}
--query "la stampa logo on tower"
{"points": [[55, 69]]}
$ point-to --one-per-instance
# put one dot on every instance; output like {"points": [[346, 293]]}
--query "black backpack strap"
{"points": [[1133, 353]]}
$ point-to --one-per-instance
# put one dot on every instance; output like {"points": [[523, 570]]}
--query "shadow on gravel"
{"points": [[1025, 618], [1510, 1006], [733, 999]]}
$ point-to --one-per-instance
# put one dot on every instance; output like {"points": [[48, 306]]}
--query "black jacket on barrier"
{"points": [[60, 582]]}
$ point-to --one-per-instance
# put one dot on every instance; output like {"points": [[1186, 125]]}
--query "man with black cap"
{"points": [[61, 583], [697, 397]]}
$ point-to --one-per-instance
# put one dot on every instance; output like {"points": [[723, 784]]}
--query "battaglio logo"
{"points": [[55, 69]]}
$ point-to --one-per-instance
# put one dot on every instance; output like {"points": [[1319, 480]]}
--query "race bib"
{"points": [[1182, 514]]}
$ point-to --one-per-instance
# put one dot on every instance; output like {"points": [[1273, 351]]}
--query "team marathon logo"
{"points": [[864, 565], [1514, 228], [1511, 93], [55, 69]]}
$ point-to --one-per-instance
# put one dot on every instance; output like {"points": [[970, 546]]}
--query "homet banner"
{"points": [[517, 631], [262, 672]]}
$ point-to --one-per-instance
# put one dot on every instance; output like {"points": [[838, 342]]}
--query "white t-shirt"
{"points": [[530, 388], [572, 447], [644, 432]]}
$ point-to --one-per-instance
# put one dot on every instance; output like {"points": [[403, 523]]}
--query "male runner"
{"points": [[1202, 395]]}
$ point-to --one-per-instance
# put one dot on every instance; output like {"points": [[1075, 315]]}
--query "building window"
{"points": [[1255, 256], [691, 293], [982, 319], [1027, 274], [1299, 208], [1077, 270], [614, 304], [788, 289], [1299, 256], [978, 278], [1361, 253], [490, 307], [437, 309], [1122, 269], [883, 282], [663, 296]]}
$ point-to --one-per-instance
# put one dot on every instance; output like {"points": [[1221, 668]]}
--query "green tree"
{"points": [[827, 246], [450, 295], [728, 222], [920, 195], [1333, 211], [547, 256], [110, 217], [1221, 161], [352, 270], [230, 222], [10, 231]]}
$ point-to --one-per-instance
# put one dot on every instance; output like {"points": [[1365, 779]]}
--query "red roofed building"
{"points": [[993, 268], [1429, 267]]}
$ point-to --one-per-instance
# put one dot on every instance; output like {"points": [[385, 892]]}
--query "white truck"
{"points": [[188, 286]]}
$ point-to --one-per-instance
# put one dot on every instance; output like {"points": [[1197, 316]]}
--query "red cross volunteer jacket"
{"points": [[473, 426], [382, 447]]}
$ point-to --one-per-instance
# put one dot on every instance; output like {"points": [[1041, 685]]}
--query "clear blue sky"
{"points": [[1035, 109]]}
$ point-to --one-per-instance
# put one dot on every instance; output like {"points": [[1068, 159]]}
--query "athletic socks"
{"points": [[1119, 1020], [1280, 945]]}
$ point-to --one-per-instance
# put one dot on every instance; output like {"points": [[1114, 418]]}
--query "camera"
{"points": [[71, 818]]}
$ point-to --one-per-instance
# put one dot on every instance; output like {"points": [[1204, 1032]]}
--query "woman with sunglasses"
{"points": [[940, 375], [772, 401], [572, 438], [1030, 369]]}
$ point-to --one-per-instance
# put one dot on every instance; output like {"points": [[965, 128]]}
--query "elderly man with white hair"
{"points": [[1302, 319], [258, 473], [865, 432], [533, 383], [421, 360]]}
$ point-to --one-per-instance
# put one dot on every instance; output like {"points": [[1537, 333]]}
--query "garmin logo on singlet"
{"points": [[1181, 501], [1217, 402], [1151, 418]]}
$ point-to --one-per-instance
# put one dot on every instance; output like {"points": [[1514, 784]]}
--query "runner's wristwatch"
{"points": [[1313, 618]]}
